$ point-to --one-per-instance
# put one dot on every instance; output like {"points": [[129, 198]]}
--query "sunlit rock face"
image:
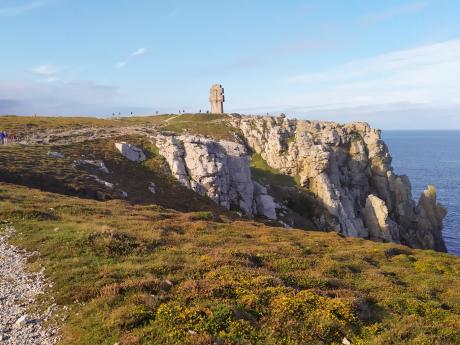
{"points": [[130, 152], [348, 168], [217, 169]]}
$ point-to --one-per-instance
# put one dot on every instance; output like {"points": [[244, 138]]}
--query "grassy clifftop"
{"points": [[148, 275], [174, 268], [212, 125]]}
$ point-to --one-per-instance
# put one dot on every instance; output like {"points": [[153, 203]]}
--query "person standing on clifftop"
{"points": [[2, 137]]}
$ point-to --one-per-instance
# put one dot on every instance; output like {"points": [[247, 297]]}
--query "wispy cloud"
{"points": [[390, 13], [425, 77], [140, 51], [124, 63], [45, 70], [19, 9]]}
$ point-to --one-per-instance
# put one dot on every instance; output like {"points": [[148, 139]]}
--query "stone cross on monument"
{"points": [[217, 99]]}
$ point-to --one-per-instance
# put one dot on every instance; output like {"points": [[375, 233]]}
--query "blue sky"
{"points": [[394, 64]]}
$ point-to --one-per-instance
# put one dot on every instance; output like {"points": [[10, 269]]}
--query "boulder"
{"points": [[264, 205], [130, 152], [381, 227], [52, 154], [95, 164], [105, 183]]}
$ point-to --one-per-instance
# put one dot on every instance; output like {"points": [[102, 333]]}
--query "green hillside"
{"points": [[174, 268], [148, 275]]}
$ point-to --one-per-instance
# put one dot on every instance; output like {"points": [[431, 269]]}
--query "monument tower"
{"points": [[217, 99]]}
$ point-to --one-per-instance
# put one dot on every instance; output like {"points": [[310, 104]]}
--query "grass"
{"points": [[265, 174], [30, 166], [214, 126], [174, 268], [142, 274], [20, 125], [286, 189]]}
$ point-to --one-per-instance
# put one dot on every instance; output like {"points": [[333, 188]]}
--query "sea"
{"points": [[431, 157]]}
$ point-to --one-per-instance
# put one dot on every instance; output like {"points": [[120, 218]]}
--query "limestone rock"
{"points": [[264, 205], [102, 182], [348, 169], [429, 219], [95, 164], [381, 227], [130, 152], [152, 188], [52, 154], [217, 169]]}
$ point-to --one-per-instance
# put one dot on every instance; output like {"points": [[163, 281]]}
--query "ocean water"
{"points": [[431, 157]]}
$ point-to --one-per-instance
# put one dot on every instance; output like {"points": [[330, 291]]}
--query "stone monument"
{"points": [[217, 99]]}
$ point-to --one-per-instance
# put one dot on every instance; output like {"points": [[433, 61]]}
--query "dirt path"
{"points": [[19, 290]]}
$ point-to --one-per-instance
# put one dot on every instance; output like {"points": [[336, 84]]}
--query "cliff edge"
{"points": [[345, 168], [348, 168]]}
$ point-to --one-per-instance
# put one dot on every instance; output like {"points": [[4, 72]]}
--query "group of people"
{"points": [[4, 138]]}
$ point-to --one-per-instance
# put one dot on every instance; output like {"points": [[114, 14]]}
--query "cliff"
{"points": [[303, 174], [347, 168], [157, 258]]}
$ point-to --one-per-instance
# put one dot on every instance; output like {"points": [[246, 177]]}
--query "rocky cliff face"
{"points": [[218, 169], [348, 168]]}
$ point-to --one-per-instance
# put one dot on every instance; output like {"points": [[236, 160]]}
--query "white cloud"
{"points": [[19, 9], [45, 70], [121, 64], [140, 51], [428, 75]]}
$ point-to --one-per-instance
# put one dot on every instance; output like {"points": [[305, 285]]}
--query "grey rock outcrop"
{"points": [[348, 169], [381, 227], [263, 203], [100, 165], [130, 152], [217, 169], [52, 154]]}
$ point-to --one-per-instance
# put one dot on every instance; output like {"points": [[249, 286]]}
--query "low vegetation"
{"points": [[265, 174], [171, 267], [31, 166], [211, 125], [141, 274]]}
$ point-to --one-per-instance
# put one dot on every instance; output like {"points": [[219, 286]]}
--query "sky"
{"points": [[394, 64]]}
